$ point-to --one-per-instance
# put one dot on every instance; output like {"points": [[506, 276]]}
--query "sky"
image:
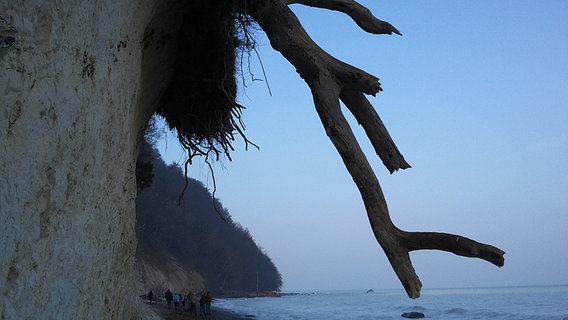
{"points": [[476, 98]]}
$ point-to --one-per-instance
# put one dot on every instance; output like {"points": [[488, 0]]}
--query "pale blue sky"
{"points": [[475, 96]]}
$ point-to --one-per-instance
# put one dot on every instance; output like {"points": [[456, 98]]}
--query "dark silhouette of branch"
{"points": [[331, 80], [360, 14]]}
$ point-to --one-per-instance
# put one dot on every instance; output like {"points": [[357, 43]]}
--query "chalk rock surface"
{"points": [[78, 83]]}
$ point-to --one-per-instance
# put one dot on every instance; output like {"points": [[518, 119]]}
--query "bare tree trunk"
{"points": [[330, 81]]}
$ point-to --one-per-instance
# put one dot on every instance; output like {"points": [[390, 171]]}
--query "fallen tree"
{"points": [[332, 81]]}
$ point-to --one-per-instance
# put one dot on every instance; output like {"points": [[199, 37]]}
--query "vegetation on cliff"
{"points": [[224, 253]]}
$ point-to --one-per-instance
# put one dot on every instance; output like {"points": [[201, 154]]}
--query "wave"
{"points": [[456, 311], [490, 304]]}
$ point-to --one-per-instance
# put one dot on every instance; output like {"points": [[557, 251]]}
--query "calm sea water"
{"points": [[549, 302]]}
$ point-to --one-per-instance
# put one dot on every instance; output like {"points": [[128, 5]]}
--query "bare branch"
{"points": [[366, 115], [360, 14], [459, 245], [330, 80], [287, 36], [342, 137]]}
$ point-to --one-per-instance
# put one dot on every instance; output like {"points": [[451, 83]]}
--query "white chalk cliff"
{"points": [[77, 86]]}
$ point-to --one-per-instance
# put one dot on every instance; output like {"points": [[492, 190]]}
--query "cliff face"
{"points": [[161, 271], [76, 89]]}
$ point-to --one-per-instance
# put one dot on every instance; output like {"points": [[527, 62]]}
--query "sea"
{"points": [[535, 302]]}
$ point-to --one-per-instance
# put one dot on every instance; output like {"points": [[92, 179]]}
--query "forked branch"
{"points": [[330, 81], [360, 14], [376, 131]]}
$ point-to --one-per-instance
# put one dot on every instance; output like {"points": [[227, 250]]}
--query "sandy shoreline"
{"points": [[161, 309]]}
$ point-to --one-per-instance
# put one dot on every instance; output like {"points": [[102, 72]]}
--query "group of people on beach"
{"points": [[189, 300]]}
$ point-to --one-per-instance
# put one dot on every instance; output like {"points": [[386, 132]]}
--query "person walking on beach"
{"points": [[208, 300], [186, 300], [169, 298], [176, 298], [202, 305], [150, 296], [192, 304]]}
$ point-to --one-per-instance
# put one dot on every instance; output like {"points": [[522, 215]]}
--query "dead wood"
{"points": [[330, 81], [360, 14]]}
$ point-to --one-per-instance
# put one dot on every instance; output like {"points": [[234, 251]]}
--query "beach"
{"points": [[160, 308]]}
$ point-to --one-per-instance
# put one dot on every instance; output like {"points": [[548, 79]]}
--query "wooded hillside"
{"points": [[222, 252]]}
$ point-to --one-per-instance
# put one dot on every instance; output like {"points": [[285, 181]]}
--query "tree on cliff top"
{"points": [[200, 104]]}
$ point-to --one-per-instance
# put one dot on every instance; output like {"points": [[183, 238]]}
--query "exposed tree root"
{"points": [[330, 81], [200, 100], [200, 104]]}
